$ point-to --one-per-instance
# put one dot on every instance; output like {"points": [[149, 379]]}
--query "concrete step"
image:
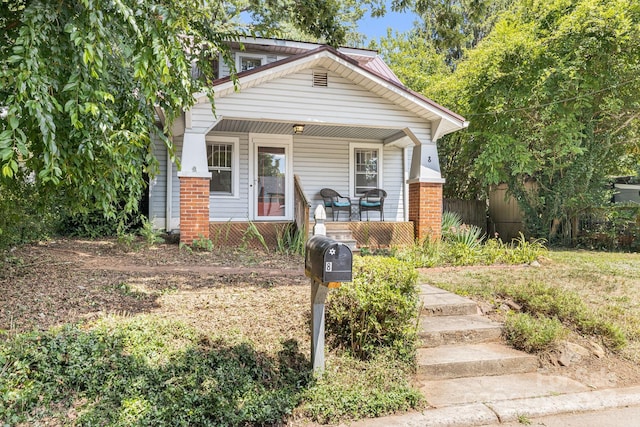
{"points": [[438, 302], [472, 360], [441, 393], [445, 330]]}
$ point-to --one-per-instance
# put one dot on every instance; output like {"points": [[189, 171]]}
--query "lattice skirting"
{"points": [[382, 234], [367, 234], [242, 234]]}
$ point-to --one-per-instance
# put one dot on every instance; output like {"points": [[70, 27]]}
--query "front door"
{"points": [[272, 195]]}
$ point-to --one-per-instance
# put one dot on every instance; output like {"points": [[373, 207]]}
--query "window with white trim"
{"points": [[222, 159], [365, 168], [249, 62]]}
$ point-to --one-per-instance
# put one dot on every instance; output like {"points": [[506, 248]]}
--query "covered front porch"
{"points": [[325, 118]]}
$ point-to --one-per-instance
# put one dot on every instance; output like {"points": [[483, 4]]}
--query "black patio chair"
{"points": [[337, 202], [372, 200]]}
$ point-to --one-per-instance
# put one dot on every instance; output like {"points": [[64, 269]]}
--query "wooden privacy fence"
{"points": [[472, 212]]}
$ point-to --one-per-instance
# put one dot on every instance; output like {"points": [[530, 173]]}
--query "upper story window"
{"points": [[222, 158], [246, 62]]}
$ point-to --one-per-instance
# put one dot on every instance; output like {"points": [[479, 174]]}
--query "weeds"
{"points": [[290, 240], [539, 299], [251, 233], [352, 389], [533, 334], [202, 243], [222, 235], [150, 236]]}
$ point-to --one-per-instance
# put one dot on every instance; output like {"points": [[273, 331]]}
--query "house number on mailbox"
{"points": [[328, 266]]}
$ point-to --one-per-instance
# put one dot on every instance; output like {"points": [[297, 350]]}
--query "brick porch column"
{"points": [[194, 209], [425, 209], [194, 188]]}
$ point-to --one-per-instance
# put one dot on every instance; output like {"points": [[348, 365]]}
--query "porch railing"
{"points": [[301, 206]]}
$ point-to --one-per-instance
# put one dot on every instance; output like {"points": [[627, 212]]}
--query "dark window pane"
{"points": [[221, 181]]}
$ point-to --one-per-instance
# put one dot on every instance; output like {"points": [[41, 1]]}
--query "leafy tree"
{"points": [[455, 25], [552, 96], [82, 82], [413, 58]]}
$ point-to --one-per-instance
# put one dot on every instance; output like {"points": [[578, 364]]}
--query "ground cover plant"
{"points": [[581, 296]]}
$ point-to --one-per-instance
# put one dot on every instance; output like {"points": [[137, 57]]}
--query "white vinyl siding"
{"points": [[394, 184], [321, 163], [158, 187], [324, 163], [342, 102]]}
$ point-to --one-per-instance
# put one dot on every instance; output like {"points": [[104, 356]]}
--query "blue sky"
{"points": [[374, 28]]}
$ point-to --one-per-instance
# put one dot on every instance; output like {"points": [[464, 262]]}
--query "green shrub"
{"points": [[462, 253], [377, 311], [352, 389], [428, 253], [28, 212], [532, 333]]}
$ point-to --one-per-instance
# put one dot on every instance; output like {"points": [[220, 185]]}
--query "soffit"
{"points": [[310, 130]]}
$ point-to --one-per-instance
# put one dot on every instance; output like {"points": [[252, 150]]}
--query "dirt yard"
{"points": [[256, 296]]}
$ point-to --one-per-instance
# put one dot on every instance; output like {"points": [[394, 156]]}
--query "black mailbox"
{"points": [[327, 261]]}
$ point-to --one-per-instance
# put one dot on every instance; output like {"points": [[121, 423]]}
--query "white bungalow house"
{"points": [[304, 117]]}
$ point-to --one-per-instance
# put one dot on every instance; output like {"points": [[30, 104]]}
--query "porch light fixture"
{"points": [[298, 129]]}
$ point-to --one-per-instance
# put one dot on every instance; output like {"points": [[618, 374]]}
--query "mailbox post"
{"points": [[327, 263]]}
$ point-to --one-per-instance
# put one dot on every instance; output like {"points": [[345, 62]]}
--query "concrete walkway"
{"points": [[498, 412], [471, 379]]}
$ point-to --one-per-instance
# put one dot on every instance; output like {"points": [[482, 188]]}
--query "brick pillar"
{"points": [[194, 208], [425, 209]]}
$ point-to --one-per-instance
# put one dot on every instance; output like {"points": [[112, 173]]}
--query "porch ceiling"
{"points": [[310, 129]]}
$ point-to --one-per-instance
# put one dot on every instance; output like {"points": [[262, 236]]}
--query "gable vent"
{"points": [[320, 79]]}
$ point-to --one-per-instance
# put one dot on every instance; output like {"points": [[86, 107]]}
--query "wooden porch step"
{"points": [[341, 232]]}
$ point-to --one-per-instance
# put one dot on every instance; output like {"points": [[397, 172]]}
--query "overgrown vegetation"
{"points": [[145, 371], [376, 312], [533, 334], [462, 244], [150, 369], [614, 227], [27, 214], [352, 389], [583, 293], [290, 240]]}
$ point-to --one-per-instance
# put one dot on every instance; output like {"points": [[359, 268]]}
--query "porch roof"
{"points": [[241, 125]]}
